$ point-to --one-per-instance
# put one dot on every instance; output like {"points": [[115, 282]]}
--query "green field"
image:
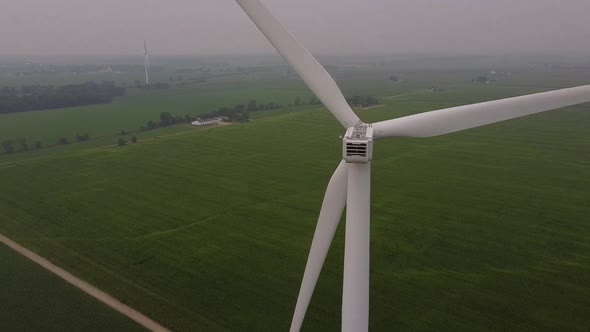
{"points": [[140, 105], [35, 300], [487, 229], [104, 122], [135, 109]]}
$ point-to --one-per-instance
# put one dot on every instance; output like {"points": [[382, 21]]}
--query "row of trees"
{"points": [[241, 112], [313, 100], [161, 85], [362, 101], [238, 113], [121, 141], [166, 119], [485, 78], [35, 69], [42, 97], [10, 146], [19, 145]]}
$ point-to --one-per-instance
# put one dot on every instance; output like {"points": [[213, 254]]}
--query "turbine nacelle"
{"points": [[357, 143]]}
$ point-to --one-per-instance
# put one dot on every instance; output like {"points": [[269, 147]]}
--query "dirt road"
{"points": [[86, 287]]}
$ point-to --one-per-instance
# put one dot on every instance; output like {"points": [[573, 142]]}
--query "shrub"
{"points": [[8, 146]]}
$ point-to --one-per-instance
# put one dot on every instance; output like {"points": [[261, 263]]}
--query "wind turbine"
{"points": [[146, 64], [351, 182]]}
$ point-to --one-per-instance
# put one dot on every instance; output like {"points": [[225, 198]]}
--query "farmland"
{"points": [[209, 230], [33, 299], [104, 122], [132, 111]]}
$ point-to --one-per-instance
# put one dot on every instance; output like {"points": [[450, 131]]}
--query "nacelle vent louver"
{"points": [[357, 144]]}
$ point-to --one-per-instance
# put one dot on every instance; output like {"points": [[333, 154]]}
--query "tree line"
{"points": [[42, 97], [22, 144], [362, 101], [241, 112], [238, 113]]}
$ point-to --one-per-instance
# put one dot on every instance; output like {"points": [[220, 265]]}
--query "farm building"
{"points": [[205, 122]]}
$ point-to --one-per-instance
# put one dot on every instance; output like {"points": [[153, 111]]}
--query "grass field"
{"points": [[104, 122], [139, 106], [132, 111], [486, 229], [108, 141], [35, 300], [97, 143], [227, 89]]}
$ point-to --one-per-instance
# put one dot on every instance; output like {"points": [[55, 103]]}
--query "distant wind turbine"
{"points": [[350, 185], [146, 64]]}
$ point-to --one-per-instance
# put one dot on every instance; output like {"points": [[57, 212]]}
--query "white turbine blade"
{"points": [[453, 119], [330, 214], [147, 58], [312, 73], [147, 78], [355, 295]]}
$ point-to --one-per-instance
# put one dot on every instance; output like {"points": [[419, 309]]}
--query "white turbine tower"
{"points": [[146, 64], [350, 184]]}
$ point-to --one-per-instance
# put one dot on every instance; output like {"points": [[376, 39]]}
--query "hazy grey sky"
{"points": [[109, 27]]}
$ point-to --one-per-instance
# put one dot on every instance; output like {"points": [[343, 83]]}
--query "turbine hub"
{"points": [[357, 143]]}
